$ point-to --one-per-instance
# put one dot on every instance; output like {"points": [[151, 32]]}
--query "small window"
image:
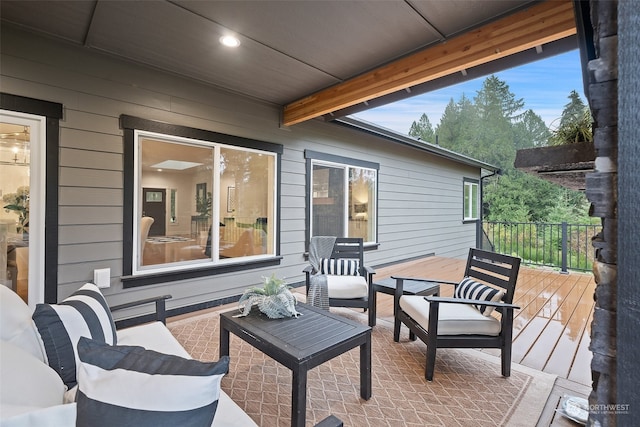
{"points": [[471, 201], [343, 197]]}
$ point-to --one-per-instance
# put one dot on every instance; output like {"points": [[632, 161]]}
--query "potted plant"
{"points": [[203, 205], [18, 202], [273, 299]]}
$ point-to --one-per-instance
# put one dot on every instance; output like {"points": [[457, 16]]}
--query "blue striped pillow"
{"points": [[470, 289], [340, 266], [131, 386], [83, 313]]}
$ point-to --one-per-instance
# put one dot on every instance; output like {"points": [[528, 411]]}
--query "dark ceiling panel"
{"points": [[171, 38], [68, 20], [452, 17], [289, 49], [341, 38]]}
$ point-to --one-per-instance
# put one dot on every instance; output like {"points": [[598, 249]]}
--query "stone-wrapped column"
{"points": [[602, 193]]}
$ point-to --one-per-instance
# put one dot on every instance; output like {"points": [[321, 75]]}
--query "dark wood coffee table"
{"points": [[301, 344]]}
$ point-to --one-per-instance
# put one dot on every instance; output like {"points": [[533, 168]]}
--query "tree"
{"points": [[575, 123], [456, 130], [531, 131], [422, 129]]}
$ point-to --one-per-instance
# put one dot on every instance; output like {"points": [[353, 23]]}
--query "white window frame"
{"points": [[137, 268], [468, 190], [37, 191]]}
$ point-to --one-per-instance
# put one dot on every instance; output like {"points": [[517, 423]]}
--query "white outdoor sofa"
{"points": [[32, 393]]}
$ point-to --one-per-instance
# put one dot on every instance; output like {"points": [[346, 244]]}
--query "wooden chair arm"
{"points": [[447, 300], [161, 313], [418, 279], [308, 269]]}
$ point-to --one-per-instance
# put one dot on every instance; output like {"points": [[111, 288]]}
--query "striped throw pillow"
{"points": [[470, 289], [84, 313], [340, 266], [132, 386]]}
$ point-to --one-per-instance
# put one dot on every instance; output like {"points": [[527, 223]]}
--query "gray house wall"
{"points": [[420, 194]]}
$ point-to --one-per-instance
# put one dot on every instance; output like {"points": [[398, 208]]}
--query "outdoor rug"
{"points": [[467, 389]]}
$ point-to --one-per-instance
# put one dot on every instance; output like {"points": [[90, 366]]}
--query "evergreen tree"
{"points": [[456, 130], [531, 131], [573, 112], [422, 129]]}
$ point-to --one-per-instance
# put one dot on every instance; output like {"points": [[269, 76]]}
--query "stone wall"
{"points": [[602, 193]]}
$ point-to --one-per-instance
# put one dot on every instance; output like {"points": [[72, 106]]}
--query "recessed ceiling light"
{"points": [[230, 41]]}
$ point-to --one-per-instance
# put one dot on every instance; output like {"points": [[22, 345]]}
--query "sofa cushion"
{"points": [[470, 289], [16, 325], [129, 385], [27, 382], [85, 313], [52, 416]]}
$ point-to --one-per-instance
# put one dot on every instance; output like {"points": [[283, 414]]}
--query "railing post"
{"points": [[564, 247]]}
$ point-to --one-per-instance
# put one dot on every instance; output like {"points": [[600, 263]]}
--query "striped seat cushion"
{"points": [[470, 289], [340, 266], [132, 386], [84, 313]]}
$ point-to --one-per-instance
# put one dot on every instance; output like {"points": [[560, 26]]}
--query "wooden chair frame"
{"points": [[498, 270], [350, 248]]}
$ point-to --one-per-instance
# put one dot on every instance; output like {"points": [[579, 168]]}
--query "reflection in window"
{"points": [[343, 201], [210, 223]]}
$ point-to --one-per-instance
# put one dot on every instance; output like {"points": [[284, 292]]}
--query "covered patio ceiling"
{"points": [[312, 58]]}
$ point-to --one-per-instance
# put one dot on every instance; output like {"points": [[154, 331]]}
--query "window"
{"points": [[199, 202], [470, 200], [343, 197]]}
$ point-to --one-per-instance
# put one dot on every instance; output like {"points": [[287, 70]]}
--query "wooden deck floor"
{"points": [[552, 328]]}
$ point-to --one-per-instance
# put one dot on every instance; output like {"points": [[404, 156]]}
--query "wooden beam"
{"points": [[542, 23]]}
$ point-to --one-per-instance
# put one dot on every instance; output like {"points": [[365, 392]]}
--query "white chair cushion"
{"points": [[453, 319], [16, 325], [345, 287], [27, 382]]}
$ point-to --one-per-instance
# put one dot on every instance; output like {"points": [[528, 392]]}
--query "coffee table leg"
{"points": [[299, 397], [365, 368], [224, 340]]}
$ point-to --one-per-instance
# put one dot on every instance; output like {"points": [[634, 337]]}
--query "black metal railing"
{"points": [[566, 246]]}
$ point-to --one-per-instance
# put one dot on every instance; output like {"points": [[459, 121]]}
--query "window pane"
{"points": [[166, 170], [247, 187], [328, 198], [362, 191], [474, 201]]}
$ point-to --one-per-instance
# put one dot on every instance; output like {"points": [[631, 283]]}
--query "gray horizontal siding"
{"points": [[420, 195]]}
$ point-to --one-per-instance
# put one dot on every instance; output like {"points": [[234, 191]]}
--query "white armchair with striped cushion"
{"points": [[468, 319], [348, 280]]}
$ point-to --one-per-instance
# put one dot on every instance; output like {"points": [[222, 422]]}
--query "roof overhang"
{"points": [[531, 28]]}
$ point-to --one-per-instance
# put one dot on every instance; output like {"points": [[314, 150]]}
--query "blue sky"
{"points": [[544, 85]]}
